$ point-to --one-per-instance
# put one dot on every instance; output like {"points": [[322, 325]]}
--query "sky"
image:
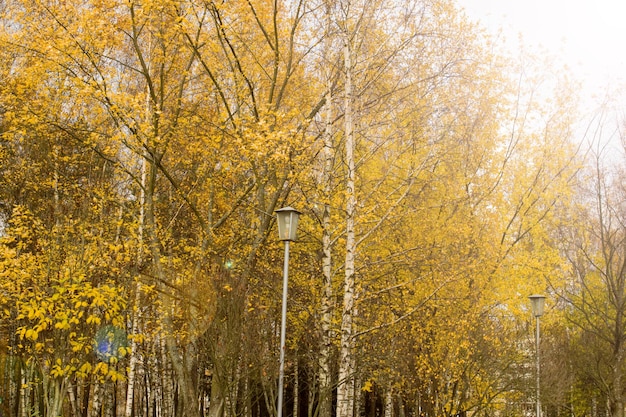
{"points": [[588, 35]]}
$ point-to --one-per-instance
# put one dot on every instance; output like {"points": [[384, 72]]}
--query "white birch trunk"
{"points": [[109, 400], [325, 380], [247, 409], [389, 403], [72, 397], [357, 398], [296, 389], [345, 392], [96, 400], [133, 360], [13, 388], [25, 393], [132, 365]]}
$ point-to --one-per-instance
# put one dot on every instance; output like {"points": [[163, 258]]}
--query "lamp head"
{"points": [[537, 303], [287, 218]]}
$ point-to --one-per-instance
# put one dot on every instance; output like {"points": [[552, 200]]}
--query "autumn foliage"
{"points": [[144, 146]]}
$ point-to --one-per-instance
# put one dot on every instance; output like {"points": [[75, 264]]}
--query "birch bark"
{"points": [[96, 400], [25, 390], [345, 387], [325, 379], [132, 365], [389, 403]]}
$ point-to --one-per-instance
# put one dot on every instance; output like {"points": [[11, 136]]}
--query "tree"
{"points": [[596, 287]]}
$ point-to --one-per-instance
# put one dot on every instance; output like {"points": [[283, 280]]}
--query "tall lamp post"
{"points": [[287, 218], [537, 303]]}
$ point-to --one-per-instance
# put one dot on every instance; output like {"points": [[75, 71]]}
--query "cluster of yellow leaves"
{"points": [[55, 316], [62, 325]]}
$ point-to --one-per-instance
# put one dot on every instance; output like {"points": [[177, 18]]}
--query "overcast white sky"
{"points": [[589, 35]]}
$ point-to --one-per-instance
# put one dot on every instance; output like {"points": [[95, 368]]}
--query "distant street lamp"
{"points": [[537, 303], [287, 218]]}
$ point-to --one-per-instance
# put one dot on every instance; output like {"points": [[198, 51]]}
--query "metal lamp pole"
{"points": [[537, 303], [287, 219]]}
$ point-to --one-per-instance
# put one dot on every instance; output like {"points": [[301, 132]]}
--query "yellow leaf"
{"points": [[367, 387]]}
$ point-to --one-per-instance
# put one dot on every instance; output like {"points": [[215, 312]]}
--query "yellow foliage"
{"points": [[367, 387], [223, 122], [57, 317]]}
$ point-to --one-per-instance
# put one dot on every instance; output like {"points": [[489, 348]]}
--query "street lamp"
{"points": [[287, 218], [537, 303]]}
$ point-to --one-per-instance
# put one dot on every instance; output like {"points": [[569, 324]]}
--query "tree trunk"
{"points": [[617, 403], [325, 379], [12, 371], [85, 401], [53, 393], [216, 405], [166, 385], [175, 356], [73, 403], [25, 389], [133, 360], [132, 365], [96, 400], [152, 382], [389, 403], [296, 389], [109, 400], [345, 386]]}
